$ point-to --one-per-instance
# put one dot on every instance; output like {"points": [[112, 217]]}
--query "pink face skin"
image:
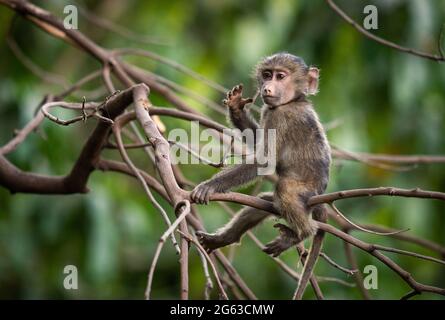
{"points": [[280, 86], [277, 88]]}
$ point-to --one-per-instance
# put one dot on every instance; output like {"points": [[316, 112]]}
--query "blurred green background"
{"points": [[386, 102]]}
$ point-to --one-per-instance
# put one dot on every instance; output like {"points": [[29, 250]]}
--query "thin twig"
{"points": [[206, 255], [25, 131], [408, 253], [118, 29], [338, 212], [358, 276], [382, 41], [369, 192], [44, 75], [74, 106], [386, 158], [164, 237], [371, 249], [336, 265], [171, 63], [312, 279], [343, 154], [205, 267], [126, 158], [192, 94]]}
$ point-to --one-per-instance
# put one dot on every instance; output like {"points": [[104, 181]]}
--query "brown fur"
{"points": [[303, 154]]}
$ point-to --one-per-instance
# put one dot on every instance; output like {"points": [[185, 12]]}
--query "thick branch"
{"points": [[15, 180]]}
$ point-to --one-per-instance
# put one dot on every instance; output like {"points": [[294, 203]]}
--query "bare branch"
{"points": [[347, 155], [206, 255], [113, 27], [74, 106], [369, 192], [172, 179], [314, 252], [408, 253], [46, 76], [171, 63], [126, 158], [22, 134], [209, 283], [225, 263], [312, 279], [358, 276], [371, 249], [192, 94], [382, 41], [16, 180], [336, 265], [386, 158], [338, 212], [165, 235]]}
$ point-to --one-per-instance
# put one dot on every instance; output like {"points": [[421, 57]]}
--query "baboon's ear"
{"points": [[313, 75]]}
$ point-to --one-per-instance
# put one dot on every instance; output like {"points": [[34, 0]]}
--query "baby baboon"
{"points": [[302, 159]]}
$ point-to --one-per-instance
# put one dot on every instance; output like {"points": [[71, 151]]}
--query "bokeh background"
{"points": [[385, 101]]}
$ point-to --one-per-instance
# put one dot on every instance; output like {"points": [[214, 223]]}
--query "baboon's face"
{"points": [[283, 78], [278, 86]]}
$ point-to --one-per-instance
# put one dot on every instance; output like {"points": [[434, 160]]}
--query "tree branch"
{"points": [[382, 41], [15, 180]]}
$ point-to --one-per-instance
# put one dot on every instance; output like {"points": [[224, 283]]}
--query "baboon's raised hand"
{"points": [[235, 100]]}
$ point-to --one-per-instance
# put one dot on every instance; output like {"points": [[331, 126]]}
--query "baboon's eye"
{"points": [[267, 75], [280, 75]]}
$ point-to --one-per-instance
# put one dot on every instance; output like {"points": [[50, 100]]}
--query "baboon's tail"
{"points": [[320, 214], [291, 197]]}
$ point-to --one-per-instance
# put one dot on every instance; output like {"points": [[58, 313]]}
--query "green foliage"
{"points": [[387, 101]]}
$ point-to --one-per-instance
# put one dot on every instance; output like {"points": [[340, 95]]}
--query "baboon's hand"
{"points": [[235, 100], [201, 193], [284, 230], [284, 241]]}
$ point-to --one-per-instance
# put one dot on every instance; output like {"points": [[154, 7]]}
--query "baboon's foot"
{"points": [[212, 241], [284, 241]]}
